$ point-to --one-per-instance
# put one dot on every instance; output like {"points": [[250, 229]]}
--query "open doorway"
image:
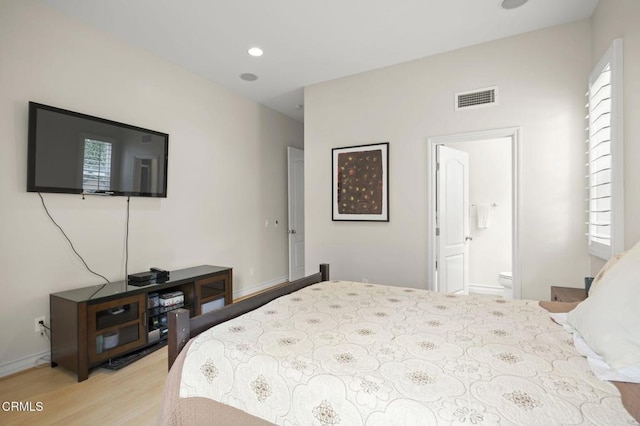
{"points": [[474, 241]]}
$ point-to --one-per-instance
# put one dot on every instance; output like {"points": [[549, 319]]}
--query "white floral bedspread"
{"points": [[347, 353]]}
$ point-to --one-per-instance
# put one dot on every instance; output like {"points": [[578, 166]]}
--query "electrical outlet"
{"points": [[38, 327]]}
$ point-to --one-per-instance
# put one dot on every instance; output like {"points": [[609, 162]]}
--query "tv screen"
{"points": [[75, 153]]}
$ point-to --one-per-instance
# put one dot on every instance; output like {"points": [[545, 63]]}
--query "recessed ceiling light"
{"points": [[248, 77], [512, 4], [255, 51]]}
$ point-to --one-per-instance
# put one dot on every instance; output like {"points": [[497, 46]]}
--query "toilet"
{"points": [[506, 281]]}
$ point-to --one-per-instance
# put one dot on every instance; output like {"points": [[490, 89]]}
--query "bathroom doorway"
{"points": [[487, 258]]}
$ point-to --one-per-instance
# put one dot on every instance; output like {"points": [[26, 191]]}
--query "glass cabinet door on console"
{"points": [[116, 326], [213, 292]]}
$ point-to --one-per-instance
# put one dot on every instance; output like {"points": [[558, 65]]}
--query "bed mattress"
{"points": [[348, 353]]}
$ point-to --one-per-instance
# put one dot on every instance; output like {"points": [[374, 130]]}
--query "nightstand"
{"points": [[567, 294]]}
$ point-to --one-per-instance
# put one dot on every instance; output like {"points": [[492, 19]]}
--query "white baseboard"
{"points": [[259, 287], [25, 363], [489, 290]]}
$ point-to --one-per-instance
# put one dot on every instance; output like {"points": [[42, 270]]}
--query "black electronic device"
{"points": [[75, 153], [143, 276], [161, 274], [154, 276]]}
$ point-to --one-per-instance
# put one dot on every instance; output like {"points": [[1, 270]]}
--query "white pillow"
{"points": [[600, 368], [609, 319]]}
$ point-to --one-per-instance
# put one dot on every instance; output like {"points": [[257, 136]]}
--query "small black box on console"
{"points": [[161, 274], [143, 276]]}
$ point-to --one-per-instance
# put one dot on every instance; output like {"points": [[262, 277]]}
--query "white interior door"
{"points": [[295, 163], [452, 210]]}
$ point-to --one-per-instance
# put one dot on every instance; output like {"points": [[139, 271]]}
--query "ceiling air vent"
{"points": [[477, 98]]}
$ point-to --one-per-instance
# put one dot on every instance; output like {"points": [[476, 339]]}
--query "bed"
{"points": [[331, 352]]}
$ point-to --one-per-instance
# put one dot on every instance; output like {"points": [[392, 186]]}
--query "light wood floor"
{"points": [[127, 396]]}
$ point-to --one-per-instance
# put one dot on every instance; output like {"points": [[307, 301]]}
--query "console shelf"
{"points": [[153, 312], [91, 325]]}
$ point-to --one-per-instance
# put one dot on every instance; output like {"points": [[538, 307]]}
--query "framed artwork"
{"points": [[360, 183]]}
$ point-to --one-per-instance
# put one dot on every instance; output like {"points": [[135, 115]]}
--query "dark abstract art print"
{"points": [[360, 178]]}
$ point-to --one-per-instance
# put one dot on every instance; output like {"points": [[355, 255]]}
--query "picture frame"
{"points": [[360, 183]]}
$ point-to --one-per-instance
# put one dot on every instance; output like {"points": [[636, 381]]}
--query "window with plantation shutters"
{"points": [[604, 156], [96, 168]]}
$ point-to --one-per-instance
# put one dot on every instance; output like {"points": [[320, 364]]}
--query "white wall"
{"points": [[489, 183], [541, 79], [613, 19], [227, 172]]}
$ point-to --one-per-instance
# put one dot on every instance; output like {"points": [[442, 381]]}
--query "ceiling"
{"points": [[305, 41]]}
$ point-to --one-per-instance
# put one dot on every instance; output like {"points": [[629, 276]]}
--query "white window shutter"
{"points": [[604, 180]]}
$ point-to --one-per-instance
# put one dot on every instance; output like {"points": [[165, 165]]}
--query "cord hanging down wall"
{"points": [[69, 241], [126, 264]]}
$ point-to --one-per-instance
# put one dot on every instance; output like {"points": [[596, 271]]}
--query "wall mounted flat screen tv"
{"points": [[75, 153]]}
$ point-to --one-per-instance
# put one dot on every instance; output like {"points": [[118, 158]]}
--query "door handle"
{"points": [[292, 231], [468, 238]]}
